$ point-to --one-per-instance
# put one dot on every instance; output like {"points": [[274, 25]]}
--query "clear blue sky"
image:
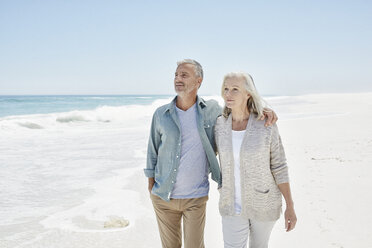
{"points": [[131, 47]]}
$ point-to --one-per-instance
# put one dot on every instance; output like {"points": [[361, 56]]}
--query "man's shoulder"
{"points": [[211, 105], [211, 110], [160, 110]]}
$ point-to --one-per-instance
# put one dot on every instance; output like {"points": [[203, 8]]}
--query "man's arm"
{"points": [[270, 117], [151, 183], [152, 153]]}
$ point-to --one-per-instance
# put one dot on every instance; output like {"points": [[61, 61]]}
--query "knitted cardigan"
{"points": [[262, 167]]}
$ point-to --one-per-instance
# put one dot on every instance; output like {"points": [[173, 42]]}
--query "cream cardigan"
{"points": [[262, 167]]}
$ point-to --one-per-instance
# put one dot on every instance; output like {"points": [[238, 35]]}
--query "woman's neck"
{"points": [[240, 115]]}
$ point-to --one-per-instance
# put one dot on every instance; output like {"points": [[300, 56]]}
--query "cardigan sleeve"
{"points": [[278, 162], [217, 132]]}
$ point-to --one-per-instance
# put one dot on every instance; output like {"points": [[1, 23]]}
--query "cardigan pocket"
{"points": [[262, 191], [260, 198]]}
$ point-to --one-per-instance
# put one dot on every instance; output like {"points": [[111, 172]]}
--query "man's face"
{"points": [[185, 80]]}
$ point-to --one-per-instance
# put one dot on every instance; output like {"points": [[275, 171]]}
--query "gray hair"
{"points": [[197, 66], [255, 103]]}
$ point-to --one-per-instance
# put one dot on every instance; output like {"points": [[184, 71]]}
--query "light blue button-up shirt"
{"points": [[164, 147]]}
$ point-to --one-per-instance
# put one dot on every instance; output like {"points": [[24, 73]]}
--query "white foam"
{"points": [[30, 125], [127, 115]]}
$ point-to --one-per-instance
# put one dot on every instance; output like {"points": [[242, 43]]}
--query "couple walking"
{"points": [[252, 173]]}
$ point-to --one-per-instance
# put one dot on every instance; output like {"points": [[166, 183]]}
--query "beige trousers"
{"points": [[169, 215], [237, 229]]}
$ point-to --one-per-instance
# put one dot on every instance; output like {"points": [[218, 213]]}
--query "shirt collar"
{"points": [[171, 106]]}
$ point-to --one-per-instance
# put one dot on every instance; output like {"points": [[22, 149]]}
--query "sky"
{"points": [[131, 47]]}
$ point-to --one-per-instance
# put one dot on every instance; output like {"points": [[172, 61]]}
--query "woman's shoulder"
{"points": [[260, 124], [256, 121], [221, 120], [221, 124]]}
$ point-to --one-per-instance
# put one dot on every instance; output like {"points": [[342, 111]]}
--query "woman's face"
{"points": [[235, 94]]}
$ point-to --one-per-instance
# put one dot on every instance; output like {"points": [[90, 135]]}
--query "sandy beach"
{"points": [[329, 152], [81, 80], [328, 143]]}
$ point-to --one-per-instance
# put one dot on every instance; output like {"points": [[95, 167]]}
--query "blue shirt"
{"points": [[192, 177], [164, 146]]}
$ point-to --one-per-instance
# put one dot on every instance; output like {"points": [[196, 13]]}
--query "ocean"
{"points": [[26, 105]]}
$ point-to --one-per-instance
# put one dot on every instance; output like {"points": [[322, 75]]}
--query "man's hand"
{"points": [[290, 219], [270, 117], [151, 183]]}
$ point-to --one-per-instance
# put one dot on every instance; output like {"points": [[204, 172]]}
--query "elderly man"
{"points": [[181, 153]]}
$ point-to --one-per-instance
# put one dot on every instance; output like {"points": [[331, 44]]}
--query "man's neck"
{"points": [[185, 102]]}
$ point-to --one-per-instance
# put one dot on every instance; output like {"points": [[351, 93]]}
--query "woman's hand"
{"points": [[270, 117], [290, 218]]}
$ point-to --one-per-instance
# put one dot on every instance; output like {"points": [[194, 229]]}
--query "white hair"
{"points": [[197, 66], [255, 103]]}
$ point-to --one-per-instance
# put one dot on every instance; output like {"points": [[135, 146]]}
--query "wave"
{"points": [[30, 125], [71, 118], [138, 115], [126, 115]]}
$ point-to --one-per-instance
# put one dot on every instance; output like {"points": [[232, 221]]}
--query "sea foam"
{"points": [[122, 115]]}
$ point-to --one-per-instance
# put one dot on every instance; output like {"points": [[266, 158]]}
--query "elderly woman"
{"points": [[253, 167]]}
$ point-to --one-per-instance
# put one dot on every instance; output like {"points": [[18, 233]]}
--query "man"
{"points": [[181, 153]]}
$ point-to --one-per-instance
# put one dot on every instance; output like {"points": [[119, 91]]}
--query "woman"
{"points": [[253, 167]]}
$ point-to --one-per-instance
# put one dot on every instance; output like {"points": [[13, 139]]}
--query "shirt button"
{"points": [[172, 181], [177, 156], [175, 169], [179, 144]]}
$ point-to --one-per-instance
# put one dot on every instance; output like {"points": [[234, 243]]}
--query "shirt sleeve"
{"points": [[278, 162], [152, 148]]}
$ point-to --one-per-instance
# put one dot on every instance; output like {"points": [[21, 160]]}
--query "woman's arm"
{"points": [[289, 214], [279, 169]]}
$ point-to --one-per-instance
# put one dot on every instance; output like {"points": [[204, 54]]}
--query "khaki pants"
{"points": [[169, 215]]}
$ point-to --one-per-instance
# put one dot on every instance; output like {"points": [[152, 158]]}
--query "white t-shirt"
{"points": [[237, 139], [192, 175]]}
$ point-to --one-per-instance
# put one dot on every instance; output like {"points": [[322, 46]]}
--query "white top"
{"points": [[237, 138]]}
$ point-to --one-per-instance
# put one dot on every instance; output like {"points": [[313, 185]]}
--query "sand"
{"points": [[328, 142]]}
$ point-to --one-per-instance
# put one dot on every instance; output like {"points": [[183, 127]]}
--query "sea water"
{"points": [[25, 105]]}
